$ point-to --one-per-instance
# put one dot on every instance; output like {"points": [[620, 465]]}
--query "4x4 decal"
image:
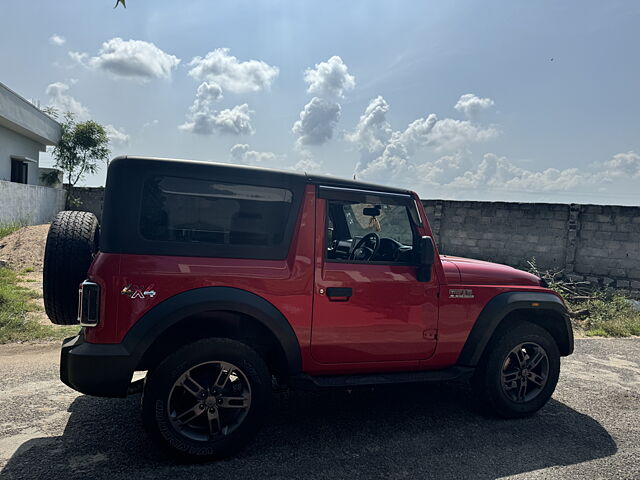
{"points": [[134, 291], [460, 293]]}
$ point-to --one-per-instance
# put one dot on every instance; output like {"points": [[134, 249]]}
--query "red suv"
{"points": [[221, 281]]}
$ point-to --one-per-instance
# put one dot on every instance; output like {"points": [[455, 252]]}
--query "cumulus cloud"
{"points": [[499, 173], [241, 153], [450, 134], [206, 94], [386, 154], [117, 136], [306, 164], [203, 119], [623, 165], [233, 121], [330, 78], [373, 130], [131, 59], [219, 67], [496, 173], [317, 121], [63, 102], [435, 155], [471, 105], [57, 40]]}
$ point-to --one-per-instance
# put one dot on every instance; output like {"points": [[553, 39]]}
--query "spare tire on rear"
{"points": [[71, 244]]}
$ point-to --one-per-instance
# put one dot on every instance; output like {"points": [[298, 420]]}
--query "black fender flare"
{"points": [[500, 306], [206, 299]]}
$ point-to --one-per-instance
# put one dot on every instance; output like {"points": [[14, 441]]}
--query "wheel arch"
{"points": [[541, 308], [215, 311]]}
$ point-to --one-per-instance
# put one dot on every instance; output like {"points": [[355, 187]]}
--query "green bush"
{"points": [[596, 311], [610, 315]]}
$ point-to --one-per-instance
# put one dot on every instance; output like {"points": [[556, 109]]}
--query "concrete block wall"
{"points": [[608, 244], [29, 204], [91, 200], [597, 243]]}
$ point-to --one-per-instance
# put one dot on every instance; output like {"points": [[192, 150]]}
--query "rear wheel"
{"points": [[519, 372], [207, 400]]}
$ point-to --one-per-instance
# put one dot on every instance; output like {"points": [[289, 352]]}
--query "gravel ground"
{"points": [[591, 429]]}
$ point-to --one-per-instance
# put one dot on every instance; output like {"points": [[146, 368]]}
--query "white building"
{"points": [[25, 131]]}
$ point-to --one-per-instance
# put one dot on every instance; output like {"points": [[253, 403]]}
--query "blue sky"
{"points": [[521, 101]]}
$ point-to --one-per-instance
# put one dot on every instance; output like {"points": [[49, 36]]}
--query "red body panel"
{"points": [[477, 272], [393, 322], [391, 316]]}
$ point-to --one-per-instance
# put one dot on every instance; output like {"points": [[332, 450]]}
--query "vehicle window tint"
{"points": [[194, 210]]}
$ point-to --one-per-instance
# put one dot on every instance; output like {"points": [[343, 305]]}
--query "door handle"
{"points": [[339, 294]]}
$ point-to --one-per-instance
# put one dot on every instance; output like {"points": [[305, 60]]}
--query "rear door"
{"points": [[368, 303]]}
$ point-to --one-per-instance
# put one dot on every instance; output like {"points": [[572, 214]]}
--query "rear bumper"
{"points": [[102, 370]]}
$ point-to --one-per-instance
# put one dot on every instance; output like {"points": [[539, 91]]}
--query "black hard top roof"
{"points": [[181, 164]]}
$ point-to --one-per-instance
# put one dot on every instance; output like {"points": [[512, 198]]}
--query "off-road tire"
{"points": [[71, 244], [161, 380], [487, 381]]}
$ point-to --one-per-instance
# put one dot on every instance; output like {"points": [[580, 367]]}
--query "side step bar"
{"points": [[307, 382]]}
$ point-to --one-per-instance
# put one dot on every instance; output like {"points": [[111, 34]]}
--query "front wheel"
{"points": [[519, 372], [207, 400]]}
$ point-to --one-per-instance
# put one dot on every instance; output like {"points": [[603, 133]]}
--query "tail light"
{"points": [[89, 304]]}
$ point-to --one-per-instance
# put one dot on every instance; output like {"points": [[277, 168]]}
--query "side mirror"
{"points": [[426, 256]]}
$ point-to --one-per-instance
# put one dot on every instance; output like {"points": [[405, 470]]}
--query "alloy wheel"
{"points": [[525, 371], [209, 400]]}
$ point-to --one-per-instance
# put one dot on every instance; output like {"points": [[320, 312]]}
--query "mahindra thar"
{"points": [[220, 281]]}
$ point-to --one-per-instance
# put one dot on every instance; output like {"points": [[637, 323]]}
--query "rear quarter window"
{"points": [[196, 211]]}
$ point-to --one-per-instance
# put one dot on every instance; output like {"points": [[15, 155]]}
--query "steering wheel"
{"points": [[366, 248]]}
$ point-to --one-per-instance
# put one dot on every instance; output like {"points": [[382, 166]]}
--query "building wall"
{"points": [[598, 243], [12, 143], [29, 204], [25, 118]]}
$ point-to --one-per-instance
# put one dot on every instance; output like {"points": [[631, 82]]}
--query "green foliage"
{"points": [[9, 228], [50, 178], [81, 149], [611, 315], [15, 303], [595, 311]]}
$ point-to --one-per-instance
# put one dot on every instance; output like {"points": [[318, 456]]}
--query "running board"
{"points": [[304, 381]]}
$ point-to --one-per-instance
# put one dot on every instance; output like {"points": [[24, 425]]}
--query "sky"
{"points": [[467, 100]]}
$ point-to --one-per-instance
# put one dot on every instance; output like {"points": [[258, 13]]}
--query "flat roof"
{"points": [[246, 170], [21, 116]]}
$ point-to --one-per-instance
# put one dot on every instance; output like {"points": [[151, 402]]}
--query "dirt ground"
{"points": [[24, 249]]}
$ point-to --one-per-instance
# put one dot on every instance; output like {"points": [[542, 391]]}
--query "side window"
{"points": [[392, 221], [369, 232], [200, 211]]}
